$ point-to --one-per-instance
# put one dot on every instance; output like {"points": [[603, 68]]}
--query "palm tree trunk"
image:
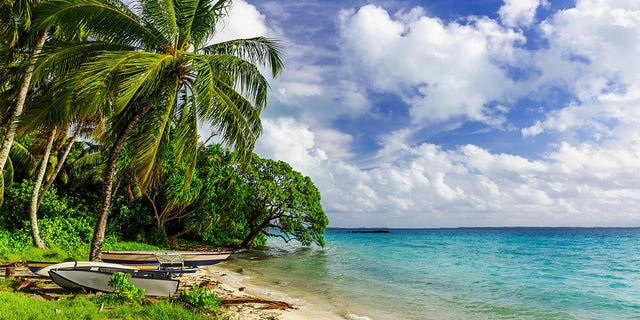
{"points": [[33, 207], [107, 187], [49, 182], [22, 97]]}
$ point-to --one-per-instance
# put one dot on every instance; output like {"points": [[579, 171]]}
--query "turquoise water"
{"points": [[493, 273]]}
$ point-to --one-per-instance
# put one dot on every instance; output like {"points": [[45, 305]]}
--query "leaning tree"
{"points": [[282, 202]]}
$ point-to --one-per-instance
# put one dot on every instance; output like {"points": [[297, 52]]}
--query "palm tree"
{"points": [[15, 18], [160, 74], [54, 124]]}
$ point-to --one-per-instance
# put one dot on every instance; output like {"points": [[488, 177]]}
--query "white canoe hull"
{"points": [[44, 272], [97, 279]]}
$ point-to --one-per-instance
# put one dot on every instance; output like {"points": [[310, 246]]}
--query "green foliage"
{"points": [[70, 234], [16, 245], [35, 254], [132, 221], [205, 204], [129, 246], [13, 244], [14, 210], [201, 298], [129, 292], [281, 198]]}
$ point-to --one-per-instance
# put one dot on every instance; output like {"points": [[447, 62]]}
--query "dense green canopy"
{"points": [[136, 80]]}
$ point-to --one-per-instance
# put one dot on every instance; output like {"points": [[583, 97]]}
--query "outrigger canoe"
{"points": [[42, 268], [155, 283], [166, 258]]}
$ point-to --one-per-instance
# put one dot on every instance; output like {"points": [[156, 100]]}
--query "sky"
{"points": [[456, 113]]}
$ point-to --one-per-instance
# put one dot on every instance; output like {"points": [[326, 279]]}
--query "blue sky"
{"points": [[457, 113]]}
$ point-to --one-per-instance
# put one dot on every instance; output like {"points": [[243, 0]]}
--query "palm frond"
{"points": [[186, 136], [108, 20], [258, 50], [87, 162], [240, 74], [19, 153], [122, 77], [62, 59], [142, 75], [161, 16], [205, 18], [153, 135]]}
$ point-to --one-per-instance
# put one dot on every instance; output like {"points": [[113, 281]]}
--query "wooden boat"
{"points": [[155, 283], [167, 258], [42, 268]]}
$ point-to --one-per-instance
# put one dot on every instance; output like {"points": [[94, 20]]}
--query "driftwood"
{"points": [[24, 284], [269, 304]]}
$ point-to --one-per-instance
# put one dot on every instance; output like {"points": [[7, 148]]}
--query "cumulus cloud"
{"points": [[243, 21], [519, 12], [586, 177], [425, 185], [589, 53], [442, 70], [598, 37]]}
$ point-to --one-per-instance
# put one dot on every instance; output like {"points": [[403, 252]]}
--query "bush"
{"points": [[72, 235], [201, 298], [120, 282], [13, 244]]}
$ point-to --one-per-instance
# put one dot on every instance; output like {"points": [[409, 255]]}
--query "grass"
{"points": [[35, 254], [18, 306]]}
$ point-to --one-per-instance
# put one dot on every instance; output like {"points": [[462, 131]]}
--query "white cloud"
{"points": [[519, 12], [596, 39], [243, 21], [585, 185], [424, 185], [443, 70], [590, 54], [588, 177]]}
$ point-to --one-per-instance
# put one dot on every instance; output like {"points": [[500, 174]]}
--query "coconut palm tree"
{"points": [[15, 19], [54, 124], [156, 73]]}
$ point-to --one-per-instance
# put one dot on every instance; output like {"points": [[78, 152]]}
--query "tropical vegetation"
{"points": [[101, 103]]}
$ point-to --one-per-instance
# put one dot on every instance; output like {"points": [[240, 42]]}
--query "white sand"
{"points": [[231, 284]]}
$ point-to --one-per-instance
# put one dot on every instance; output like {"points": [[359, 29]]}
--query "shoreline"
{"points": [[230, 284]]}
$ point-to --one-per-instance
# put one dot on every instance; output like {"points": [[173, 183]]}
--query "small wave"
{"points": [[352, 316]]}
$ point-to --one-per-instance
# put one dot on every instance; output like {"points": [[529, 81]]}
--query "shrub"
{"points": [[13, 244], [129, 292], [201, 298], [72, 235]]}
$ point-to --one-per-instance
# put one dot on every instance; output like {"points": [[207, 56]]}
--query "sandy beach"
{"points": [[230, 284]]}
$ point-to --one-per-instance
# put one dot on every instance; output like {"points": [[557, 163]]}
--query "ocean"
{"points": [[465, 273]]}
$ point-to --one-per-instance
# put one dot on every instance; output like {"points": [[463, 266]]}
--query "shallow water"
{"points": [[493, 273]]}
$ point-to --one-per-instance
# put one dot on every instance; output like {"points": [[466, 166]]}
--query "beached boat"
{"points": [[42, 268], [167, 258], [155, 283]]}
